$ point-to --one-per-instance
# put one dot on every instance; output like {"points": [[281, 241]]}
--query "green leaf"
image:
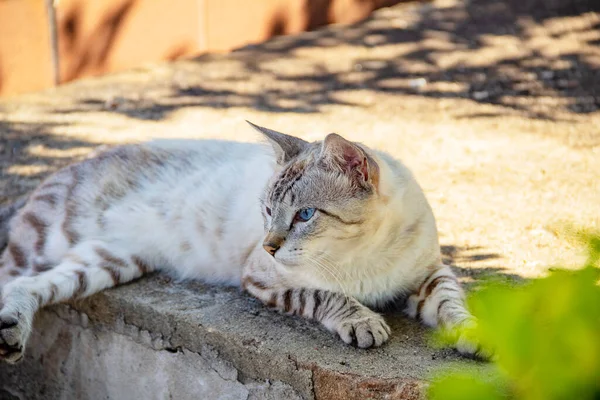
{"points": [[463, 386], [545, 335]]}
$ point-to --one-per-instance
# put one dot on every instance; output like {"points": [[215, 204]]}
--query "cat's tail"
{"points": [[6, 214]]}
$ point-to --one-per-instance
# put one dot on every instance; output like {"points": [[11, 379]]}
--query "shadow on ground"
{"points": [[29, 152], [533, 57], [457, 256]]}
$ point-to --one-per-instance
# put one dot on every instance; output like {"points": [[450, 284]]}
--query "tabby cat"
{"points": [[322, 230]]}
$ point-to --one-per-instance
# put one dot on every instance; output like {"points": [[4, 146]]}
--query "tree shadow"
{"points": [[470, 32], [475, 275], [486, 51], [92, 51], [478, 50], [29, 152]]}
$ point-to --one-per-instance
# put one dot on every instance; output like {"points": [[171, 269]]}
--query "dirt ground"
{"points": [[495, 106]]}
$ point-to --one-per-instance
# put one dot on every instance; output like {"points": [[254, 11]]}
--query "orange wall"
{"points": [[25, 56], [100, 36], [97, 36]]}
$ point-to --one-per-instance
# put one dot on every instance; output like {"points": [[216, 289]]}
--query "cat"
{"points": [[322, 230]]}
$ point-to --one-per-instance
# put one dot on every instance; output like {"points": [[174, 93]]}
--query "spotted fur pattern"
{"points": [[209, 209]]}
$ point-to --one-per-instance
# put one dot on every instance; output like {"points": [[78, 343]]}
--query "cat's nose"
{"points": [[271, 247], [273, 242]]}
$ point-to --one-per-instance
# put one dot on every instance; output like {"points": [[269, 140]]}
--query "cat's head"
{"points": [[319, 204]]}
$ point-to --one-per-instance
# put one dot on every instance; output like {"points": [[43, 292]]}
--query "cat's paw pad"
{"points": [[12, 338], [365, 332]]}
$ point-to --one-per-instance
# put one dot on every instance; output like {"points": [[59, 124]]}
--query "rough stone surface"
{"points": [[493, 105], [328, 385], [70, 361], [161, 339]]}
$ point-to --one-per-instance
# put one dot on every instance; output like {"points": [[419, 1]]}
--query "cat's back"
{"points": [[157, 175], [179, 154], [208, 150], [163, 164], [216, 166], [174, 171]]}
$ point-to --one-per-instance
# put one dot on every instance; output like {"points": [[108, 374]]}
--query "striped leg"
{"points": [[353, 322], [87, 269], [440, 301]]}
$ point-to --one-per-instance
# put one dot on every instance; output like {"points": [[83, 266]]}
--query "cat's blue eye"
{"points": [[305, 214]]}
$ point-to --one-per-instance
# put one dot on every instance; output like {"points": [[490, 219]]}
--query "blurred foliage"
{"points": [[544, 336]]}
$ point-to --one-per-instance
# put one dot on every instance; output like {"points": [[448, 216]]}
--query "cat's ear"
{"points": [[351, 159], [286, 147]]}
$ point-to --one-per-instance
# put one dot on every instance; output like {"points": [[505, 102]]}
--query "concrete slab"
{"points": [[160, 339]]}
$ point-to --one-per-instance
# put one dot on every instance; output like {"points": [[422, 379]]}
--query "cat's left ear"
{"points": [[351, 159], [286, 147]]}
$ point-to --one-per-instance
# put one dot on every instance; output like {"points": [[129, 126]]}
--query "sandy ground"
{"points": [[494, 105]]}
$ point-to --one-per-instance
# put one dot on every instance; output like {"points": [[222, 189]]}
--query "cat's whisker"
{"points": [[321, 273], [332, 265], [341, 272], [320, 266], [333, 271], [325, 268], [326, 257]]}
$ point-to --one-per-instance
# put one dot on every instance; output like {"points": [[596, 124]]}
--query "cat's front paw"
{"points": [[468, 345], [364, 331], [13, 335]]}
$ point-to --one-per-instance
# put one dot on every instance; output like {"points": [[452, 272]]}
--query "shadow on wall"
{"points": [[84, 52], [92, 50], [318, 13]]}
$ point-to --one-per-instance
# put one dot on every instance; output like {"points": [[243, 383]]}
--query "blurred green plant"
{"points": [[544, 334]]}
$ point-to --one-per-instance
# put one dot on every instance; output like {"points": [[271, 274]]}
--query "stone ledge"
{"points": [[157, 338]]}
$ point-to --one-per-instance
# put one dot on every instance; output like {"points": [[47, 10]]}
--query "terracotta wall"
{"points": [[24, 46], [100, 36]]}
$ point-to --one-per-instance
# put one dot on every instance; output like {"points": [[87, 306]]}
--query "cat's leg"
{"points": [[86, 269], [440, 301], [353, 322]]}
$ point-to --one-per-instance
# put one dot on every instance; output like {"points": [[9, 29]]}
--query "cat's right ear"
{"points": [[286, 147]]}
